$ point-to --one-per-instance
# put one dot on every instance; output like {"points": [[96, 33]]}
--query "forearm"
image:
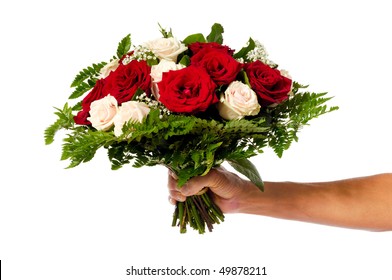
{"points": [[363, 203]]}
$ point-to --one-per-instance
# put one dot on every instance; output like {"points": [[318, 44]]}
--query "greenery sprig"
{"points": [[190, 143]]}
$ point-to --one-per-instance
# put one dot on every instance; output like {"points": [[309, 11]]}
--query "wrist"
{"points": [[274, 201], [250, 200]]}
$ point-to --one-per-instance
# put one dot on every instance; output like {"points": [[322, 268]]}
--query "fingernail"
{"points": [[172, 201]]}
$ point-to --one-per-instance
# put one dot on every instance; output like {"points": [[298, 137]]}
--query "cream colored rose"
{"points": [[166, 48], [110, 67], [238, 100], [129, 111], [157, 71], [102, 112]]}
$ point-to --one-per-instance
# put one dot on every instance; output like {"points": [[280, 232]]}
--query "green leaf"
{"points": [[244, 51], [247, 168], [77, 106], [244, 77], [216, 34], [82, 88], [89, 72], [124, 46], [198, 37], [290, 116], [64, 120], [185, 60], [210, 156], [82, 145], [164, 33], [298, 85]]}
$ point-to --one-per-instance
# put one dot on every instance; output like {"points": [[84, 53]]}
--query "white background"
{"points": [[94, 223]]}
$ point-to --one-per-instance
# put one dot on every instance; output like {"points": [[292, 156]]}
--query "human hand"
{"points": [[230, 192]]}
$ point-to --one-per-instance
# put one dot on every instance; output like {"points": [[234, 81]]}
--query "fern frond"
{"points": [[64, 121], [290, 116], [245, 127], [89, 72], [81, 145], [82, 88]]}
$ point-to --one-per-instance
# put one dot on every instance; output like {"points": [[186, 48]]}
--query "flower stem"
{"points": [[199, 211]]}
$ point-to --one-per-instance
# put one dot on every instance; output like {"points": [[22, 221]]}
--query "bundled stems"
{"points": [[199, 211]]}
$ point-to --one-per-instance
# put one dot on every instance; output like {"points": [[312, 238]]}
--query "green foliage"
{"points": [[90, 72], [244, 51], [198, 37], [243, 77], [189, 145], [64, 121], [185, 60], [164, 33], [290, 116], [216, 34], [77, 106], [86, 79], [82, 88], [124, 46], [82, 144]]}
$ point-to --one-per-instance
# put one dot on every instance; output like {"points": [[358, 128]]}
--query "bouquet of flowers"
{"points": [[189, 105]]}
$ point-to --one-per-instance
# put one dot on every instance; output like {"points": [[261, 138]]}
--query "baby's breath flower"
{"points": [[154, 104], [126, 59], [143, 53], [260, 53], [140, 53]]}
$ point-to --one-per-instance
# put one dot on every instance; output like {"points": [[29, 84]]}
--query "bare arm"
{"points": [[360, 203]]}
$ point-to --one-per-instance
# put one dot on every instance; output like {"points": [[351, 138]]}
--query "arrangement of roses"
{"points": [[189, 105], [209, 77]]}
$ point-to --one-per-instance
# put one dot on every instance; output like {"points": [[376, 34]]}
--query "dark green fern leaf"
{"points": [[89, 72], [64, 120], [82, 88]]}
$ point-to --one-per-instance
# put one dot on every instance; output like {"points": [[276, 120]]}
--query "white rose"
{"points": [[129, 111], [166, 48], [102, 112], [239, 100], [110, 67], [157, 71]]}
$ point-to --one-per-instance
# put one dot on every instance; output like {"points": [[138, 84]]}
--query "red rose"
{"points": [[81, 117], [220, 65], [268, 83], [197, 46], [123, 83], [96, 93], [189, 90]]}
